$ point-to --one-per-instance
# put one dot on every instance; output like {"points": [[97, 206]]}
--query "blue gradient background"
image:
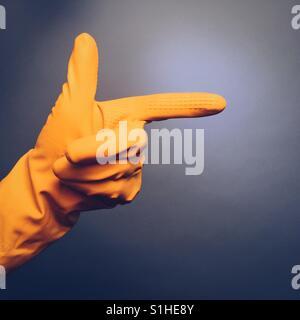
{"points": [[233, 232]]}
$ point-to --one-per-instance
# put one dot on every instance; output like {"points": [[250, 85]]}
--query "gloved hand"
{"points": [[42, 196]]}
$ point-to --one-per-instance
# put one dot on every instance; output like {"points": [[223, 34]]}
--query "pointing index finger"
{"points": [[165, 106], [180, 105]]}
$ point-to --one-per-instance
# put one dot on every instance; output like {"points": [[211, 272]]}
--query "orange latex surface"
{"points": [[42, 196]]}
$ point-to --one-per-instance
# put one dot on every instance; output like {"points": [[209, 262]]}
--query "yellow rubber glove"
{"points": [[42, 196]]}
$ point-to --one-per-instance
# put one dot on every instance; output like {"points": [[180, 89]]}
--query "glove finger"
{"points": [[83, 69], [162, 107], [122, 190], [75, 113], [69, 172], [85, 150]]}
